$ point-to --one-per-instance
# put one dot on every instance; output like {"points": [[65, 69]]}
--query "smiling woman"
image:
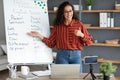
{"points": [[68, 35]]}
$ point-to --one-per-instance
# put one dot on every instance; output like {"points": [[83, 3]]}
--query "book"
{"points": [[29, 76], [112, 19], [42, 73], [108, 20], [101, 19], [104, 19]]}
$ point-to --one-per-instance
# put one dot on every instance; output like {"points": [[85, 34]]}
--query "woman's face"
{"points": [[68, 13]]}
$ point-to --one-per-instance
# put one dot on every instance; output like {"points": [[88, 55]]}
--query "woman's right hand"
{"points": [[35, 34]]}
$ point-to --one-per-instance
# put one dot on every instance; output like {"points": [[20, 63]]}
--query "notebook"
{"points": [[65, 71], [30, 76]]}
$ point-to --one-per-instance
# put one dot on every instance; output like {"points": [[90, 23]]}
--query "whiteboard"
{"points": [[22, 16]]}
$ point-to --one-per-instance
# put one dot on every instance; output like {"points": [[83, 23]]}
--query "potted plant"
{"points": [[89, 3], [107, 68]]}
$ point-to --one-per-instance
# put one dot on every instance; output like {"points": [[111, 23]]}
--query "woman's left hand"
{"points": [[79, 33]]}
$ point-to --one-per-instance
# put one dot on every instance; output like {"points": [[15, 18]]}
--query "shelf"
{"points": [[104, 44], [99, 28], [99, 11], [103, 28], [89, 11], [105, 60], [52, 11]]}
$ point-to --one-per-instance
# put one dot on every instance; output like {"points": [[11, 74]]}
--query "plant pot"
{"points": [[89, 7], [106, 77]]}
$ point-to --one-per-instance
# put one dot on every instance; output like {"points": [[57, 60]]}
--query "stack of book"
{"points": [[106, 19]]}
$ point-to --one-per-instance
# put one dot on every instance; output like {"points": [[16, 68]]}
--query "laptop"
{"points": [[65, 71]]}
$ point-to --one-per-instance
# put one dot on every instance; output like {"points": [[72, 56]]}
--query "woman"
{"points": [[68, 35]]}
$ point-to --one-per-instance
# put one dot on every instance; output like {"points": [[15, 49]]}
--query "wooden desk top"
{"points": [[98, 76]]}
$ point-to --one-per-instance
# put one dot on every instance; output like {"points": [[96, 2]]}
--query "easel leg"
{"points": [[49, 68], [12, 70]]}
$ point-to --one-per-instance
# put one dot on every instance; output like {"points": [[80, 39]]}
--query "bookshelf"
{"points": [[97, 27], [106, 52]]}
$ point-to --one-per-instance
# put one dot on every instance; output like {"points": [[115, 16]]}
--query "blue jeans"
{"points": [[69, 57]]}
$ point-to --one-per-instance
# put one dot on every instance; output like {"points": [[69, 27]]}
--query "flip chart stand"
{"points": [[12, 70]]}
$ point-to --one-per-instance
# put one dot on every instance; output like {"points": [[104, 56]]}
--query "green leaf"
{"points": [[89, 2], [107, 68]]}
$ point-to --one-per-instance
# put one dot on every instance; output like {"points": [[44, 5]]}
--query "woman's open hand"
{"points": [[35, 34]]}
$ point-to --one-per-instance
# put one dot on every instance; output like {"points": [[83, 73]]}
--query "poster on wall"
{"points": [[22, 16]]}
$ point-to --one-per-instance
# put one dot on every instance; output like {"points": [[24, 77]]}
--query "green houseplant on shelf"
{"points": [[89, 4], [107, 68]]}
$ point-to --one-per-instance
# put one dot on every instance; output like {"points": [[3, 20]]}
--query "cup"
{"points": [[25, 70], [55, 8], [95, 41], [76, 7]]}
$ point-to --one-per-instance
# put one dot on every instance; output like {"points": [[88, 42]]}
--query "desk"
{"points": [[48, 78]]}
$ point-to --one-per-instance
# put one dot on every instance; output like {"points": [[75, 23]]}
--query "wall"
{"points": [[111, 53], [2, 26]]}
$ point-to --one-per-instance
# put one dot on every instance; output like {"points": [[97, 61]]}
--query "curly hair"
{"points": [[60, 13]]}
